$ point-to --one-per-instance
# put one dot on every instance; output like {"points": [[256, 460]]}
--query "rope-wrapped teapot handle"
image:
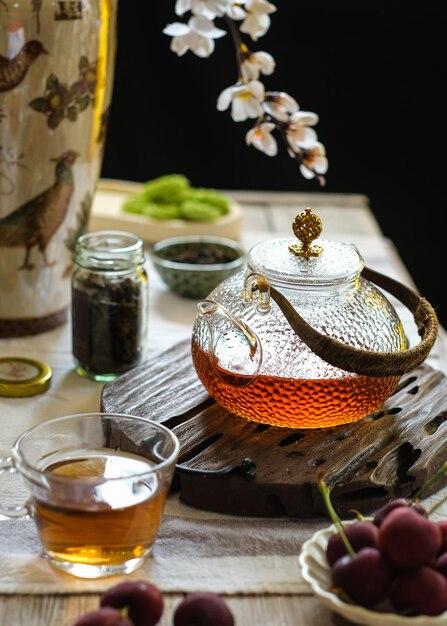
{"points": [[365, 362]]}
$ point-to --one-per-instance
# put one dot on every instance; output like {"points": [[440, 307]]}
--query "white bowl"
{"points": [[315, 571]]}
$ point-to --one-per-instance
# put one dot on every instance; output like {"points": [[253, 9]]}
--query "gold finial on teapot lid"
{"points": [[307, 227]]}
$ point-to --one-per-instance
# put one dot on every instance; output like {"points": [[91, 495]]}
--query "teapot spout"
{"points": [[234, 349]]}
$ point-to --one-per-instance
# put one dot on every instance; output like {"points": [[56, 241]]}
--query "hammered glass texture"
{"points": [[357, 314], [338, 262]]}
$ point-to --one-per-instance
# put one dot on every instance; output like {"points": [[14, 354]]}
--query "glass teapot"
{"points": [[303, 338]]}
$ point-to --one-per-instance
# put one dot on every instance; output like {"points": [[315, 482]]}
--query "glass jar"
{"points": [[109, 304]]}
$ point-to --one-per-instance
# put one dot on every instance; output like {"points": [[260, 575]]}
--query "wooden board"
{"points": [[107, 214], [230, 465]]}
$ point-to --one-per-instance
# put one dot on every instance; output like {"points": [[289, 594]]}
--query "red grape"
{"points": [[143, 600], [106, 616], [359, 534], [441, 564], [366, 577], [443, 526], [409, 540], [404, 561], [203, 609], [422, 592], [384, 510]]}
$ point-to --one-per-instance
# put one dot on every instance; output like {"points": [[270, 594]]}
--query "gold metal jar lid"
{"points": [[21, 377]]}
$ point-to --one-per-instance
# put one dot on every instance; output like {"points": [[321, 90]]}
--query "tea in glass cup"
{"points": [[98, 484]]}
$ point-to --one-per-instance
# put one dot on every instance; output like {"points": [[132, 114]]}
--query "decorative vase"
{"points": [[56, 73]]}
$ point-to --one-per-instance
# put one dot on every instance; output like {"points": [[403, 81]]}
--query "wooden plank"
{"points": [[63, 610], [307, 199], [336, 220]]}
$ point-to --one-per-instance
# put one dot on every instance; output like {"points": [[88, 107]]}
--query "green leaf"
{"points": [[172, 197], [83, 103], [162, 211], [134, 204], [210, 197], [168, 189], [199, 211], [72, 113], [55, 119], [52, 82], [40, 105], [83, 63]]}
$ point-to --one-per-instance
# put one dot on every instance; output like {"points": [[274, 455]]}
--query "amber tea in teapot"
{"points": [[291, 402], [259, 362]]}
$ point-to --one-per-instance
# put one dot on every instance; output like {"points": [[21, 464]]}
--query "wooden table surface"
{"points": [[345, 217]]}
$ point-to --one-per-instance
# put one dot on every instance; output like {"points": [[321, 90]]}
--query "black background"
{"points": [[373, 71]]}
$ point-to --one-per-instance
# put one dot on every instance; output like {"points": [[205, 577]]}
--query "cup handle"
{"points": [[13, 512]]}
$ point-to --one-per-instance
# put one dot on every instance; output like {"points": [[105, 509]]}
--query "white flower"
{"points": [[235, 11], [207, 8], [314, 161], [198, 36], [257, 21], [261, 138], [256, 63], [279, 105], [299, 134], [272, 110], [245, 100]]}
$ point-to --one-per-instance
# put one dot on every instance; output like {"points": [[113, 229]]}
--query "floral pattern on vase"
{"points": [[56, 78]]}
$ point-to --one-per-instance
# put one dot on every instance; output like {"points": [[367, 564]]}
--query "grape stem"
{"points": [[358, 515], [326, 494], [436, 476]]}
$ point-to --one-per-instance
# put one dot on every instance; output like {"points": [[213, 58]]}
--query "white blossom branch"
{"points": [[274, 111]]}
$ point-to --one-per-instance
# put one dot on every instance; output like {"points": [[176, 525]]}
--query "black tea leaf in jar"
{"points": [[109, 304]]}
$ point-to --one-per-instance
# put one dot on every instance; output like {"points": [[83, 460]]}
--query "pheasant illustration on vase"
{"points": [[35, 222], [13, 71]]}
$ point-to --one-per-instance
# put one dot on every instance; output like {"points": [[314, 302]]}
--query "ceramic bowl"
{"points": [[172, 260], [315, 571]]}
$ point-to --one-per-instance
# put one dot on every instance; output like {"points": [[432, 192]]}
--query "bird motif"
{"points": [[35, 222], [13, 71]]}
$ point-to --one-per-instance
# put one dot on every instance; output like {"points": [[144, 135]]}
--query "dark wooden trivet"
{"points": [[233, 466]]}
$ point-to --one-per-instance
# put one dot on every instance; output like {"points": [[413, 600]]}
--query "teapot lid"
{"points": [[286, 262]]}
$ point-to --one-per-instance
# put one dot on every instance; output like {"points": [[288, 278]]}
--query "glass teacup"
{"points": [[98, 484]]}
